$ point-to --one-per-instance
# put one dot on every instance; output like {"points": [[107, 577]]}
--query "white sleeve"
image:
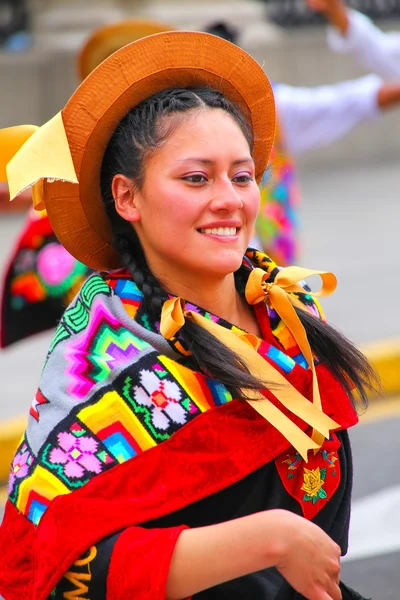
{"points": [[377, 51], [311, 117]]}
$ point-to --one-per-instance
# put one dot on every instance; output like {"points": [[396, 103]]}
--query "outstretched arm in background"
{"points": [[354, 33], [312, 117]]}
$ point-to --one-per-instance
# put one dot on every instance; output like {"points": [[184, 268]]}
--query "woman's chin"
{"points": [[221, 265]]}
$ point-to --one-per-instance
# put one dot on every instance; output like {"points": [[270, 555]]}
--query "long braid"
{"points": [[208, 354], [154, 295]]}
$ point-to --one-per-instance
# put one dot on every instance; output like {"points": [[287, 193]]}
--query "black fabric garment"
{"points": [[87, 577], [260, 490]]}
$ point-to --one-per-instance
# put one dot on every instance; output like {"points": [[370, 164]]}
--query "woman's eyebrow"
{"points": [[208, 161]]}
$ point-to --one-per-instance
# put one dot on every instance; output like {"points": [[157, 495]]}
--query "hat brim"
{"points": [[110, 38], [126, 78]]}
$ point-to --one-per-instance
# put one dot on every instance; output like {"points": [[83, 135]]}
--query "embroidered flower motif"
{"points": [[162, 398], [313, 485], [76, 454], [20, 466]]}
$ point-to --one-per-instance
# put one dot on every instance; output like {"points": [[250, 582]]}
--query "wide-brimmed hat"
{"points": [[106, 40], [67, 152]]}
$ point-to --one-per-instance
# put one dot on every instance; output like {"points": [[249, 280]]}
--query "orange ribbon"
{"points": [[173, 318], [276, 294]]}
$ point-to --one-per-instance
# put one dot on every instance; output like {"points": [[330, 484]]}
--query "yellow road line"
{"points": [[3, 499], [381, 408], [385, 357], [11, 432], [3, 496]]}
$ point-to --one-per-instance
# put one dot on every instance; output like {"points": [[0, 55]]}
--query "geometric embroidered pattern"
{"points": [[104, 346], [120, 397], [76, 317], [38, 400], [99, 434]]}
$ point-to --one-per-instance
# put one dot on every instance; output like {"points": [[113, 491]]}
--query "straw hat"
{"points": [[127, 77], [106, 40]]}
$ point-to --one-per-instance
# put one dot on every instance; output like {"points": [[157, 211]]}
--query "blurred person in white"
{"points": [[351, 32]]}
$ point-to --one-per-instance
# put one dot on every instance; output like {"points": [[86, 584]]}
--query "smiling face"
{"points": [[196, 209]]}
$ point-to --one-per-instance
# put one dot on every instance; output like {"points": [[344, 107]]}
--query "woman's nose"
{"points": [[225, 197]]}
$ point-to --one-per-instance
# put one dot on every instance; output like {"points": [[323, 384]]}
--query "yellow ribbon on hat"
{"points": [[30, 154], [276, 295], [173, 318], [11, 140]]}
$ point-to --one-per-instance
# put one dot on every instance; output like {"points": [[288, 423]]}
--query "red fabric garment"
{"points": [[140, 562], [217, 449], [17, 564], [320, 476]]}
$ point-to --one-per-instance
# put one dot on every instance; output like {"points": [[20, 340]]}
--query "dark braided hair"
{"points": [[142, 131]]}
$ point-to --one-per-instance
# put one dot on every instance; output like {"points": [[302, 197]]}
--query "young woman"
{"points": [[189, 434], [41, 277]]}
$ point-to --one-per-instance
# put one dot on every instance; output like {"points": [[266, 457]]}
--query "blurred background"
{"points": [[350, 212]]}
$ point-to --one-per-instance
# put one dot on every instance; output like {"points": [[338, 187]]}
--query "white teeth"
{"points": [[222, 231]]}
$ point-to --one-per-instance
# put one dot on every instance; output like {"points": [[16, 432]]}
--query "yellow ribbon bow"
{"points": [[173, 318], [277, 296], [30, 154]]}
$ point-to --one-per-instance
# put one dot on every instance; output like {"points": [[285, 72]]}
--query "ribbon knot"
{"points": [[267, 286], [173, 317]]}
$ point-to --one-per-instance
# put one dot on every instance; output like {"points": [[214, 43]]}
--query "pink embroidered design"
{"points": [[76, 454]]}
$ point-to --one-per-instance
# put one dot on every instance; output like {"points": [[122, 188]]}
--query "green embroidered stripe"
{"points": [[92, 287], [76, 317], [61, 334]]}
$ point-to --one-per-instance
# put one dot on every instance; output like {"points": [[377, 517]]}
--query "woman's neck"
{"points": [[217, 296]]}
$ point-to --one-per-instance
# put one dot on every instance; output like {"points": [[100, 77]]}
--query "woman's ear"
{"points": [[125, 198]]}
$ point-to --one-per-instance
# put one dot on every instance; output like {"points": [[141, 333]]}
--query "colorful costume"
{"points": [[127, 445], [277, 222], [40, 281], [128, 442]]}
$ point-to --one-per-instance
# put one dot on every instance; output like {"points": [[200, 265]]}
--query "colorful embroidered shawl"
{"points": [[122, 430]]}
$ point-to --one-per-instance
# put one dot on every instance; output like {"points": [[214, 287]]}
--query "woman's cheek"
{"points": [[253, 205]]}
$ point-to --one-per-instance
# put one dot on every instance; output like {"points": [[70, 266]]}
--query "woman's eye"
{"points": [[245, 178], [195, 178]]}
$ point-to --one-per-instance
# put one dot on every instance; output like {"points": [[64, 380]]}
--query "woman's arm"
{"points": [[175, 563], [353, 33], [335, 11], [312, 117], [306, 556]]}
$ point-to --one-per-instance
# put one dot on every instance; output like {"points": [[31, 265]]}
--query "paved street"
{"points": [[372, 565], [350, 226]]}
